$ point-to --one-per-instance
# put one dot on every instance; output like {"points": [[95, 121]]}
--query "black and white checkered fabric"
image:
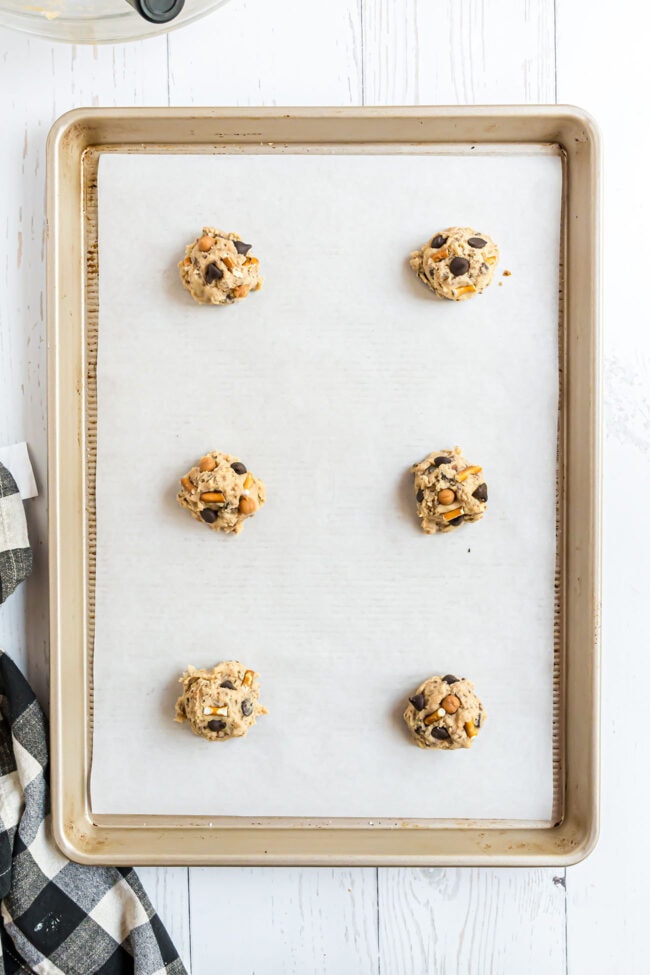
{"points": [[15, 553], [58, 917]]}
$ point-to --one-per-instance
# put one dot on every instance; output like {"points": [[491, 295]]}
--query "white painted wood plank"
{"points": [[419, 52], [602, 66], [253, 52], [38, 82], [276, 921], [455, 922], [168, 890]]}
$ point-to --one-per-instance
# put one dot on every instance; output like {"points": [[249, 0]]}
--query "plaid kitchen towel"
{"points": [[56, 917], [15, 553], [59, 917]]}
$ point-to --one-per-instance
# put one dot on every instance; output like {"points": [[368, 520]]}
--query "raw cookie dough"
{"points": [[221, 703], [217, 268], [221, 492], [444, 712], [448, 491], [456, 263]]}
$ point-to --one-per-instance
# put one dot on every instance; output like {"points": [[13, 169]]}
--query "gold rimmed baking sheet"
{"points": [[75, 147]]}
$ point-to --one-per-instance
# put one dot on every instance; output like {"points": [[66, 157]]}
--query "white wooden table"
{"points": [[591, 918]]}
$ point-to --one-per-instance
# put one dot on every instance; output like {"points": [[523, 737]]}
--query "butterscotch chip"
{"points": [[247, 505], [446, 496], [450, 703]]}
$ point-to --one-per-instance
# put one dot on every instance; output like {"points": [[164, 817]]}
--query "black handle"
{"points": [[158, 11]]}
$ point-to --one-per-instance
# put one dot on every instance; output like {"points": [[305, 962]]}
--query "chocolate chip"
{"points": [[477, 242], [417, 701], [481, 493], [216, 725], [438, 241], [247, 707], [243, 248], [458, 266], [227, 683], [209, 516], [440, 733], [213, 273], [457, 521], [450, 679], [420, 495], [238, 467], [437, 461], [478, 721]]}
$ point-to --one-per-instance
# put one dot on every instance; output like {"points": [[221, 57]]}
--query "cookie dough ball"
{"points": [[457, 263], [449, 491], [221, 492], [217, 268], [444, 712], [221, 703]]}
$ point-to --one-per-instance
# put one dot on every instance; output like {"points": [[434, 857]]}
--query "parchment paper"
{"points": [[328, 383]]}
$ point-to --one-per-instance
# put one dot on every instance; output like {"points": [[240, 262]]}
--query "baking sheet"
{"points": [[328, 384]]}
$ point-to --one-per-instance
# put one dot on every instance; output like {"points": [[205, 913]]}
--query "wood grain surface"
{"points": [[388, 921]]}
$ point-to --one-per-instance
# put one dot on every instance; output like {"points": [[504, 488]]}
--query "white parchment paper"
{"points": [[328, 383]]}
